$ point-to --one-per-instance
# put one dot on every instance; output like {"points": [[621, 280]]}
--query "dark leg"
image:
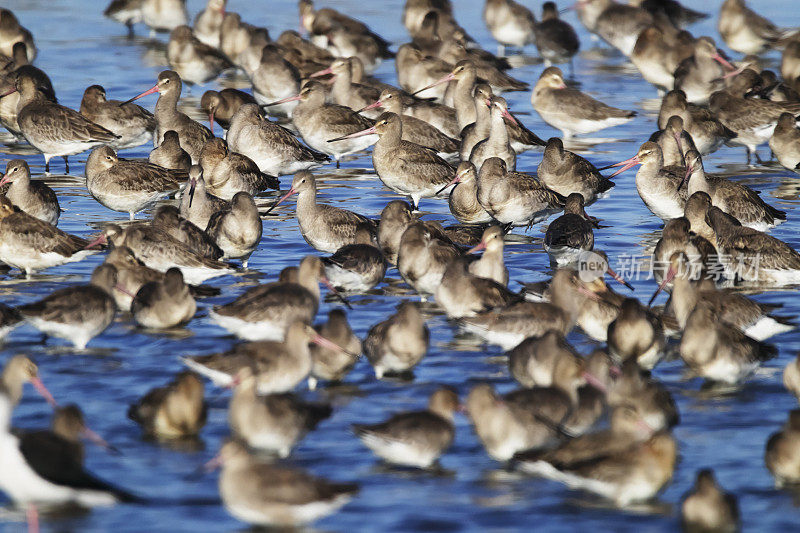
{"points": [[46, 165], [66, 163], [748, 155], [337, 163]]}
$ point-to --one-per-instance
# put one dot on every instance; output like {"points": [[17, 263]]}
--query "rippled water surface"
{"points": [[78, 48]]}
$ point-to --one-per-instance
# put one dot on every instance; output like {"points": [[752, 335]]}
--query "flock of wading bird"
{"points": [[444, 132]]}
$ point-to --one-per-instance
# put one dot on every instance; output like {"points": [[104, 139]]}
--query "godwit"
{"points": [[405, 167], [162, 305], [570, 110], [133, 124], [192, 135], [415, 438], [175, 410], [33, 197], [128, 185]]}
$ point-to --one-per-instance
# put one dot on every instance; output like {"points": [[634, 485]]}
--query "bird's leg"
{"points": [[66, 163], [337, 162], [131, 215], [748, 155], [131, 34], [759, 160], [46, 164], [32, 516], [501, 50]]}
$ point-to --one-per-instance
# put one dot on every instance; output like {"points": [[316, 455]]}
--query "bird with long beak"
{"points": [[491, 264], [266, 495], [326, 228], [658, 185], [18, 371], [403, 166], [33, 197], [220, 106], [463, 199], [278, 366], [733, 198], [69, 423], [191, 134], [701, 74], [345, 91], [42, 467], [198, 206], [266, 311], [319, 122], [497, 143], [414, 129]]}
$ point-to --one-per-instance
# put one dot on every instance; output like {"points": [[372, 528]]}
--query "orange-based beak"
{"points": [[368, 131], [628, 163], [618, 278], [151, 90], [322, 72], [443, 79], [42, 390], [666, 281], [290, 192], [283, 101]]}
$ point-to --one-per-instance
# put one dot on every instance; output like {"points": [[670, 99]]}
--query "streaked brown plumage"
{"points": [[415, 438], [220, 106], [31, 244], [566, 172], [164, 304], [333, 365], [265, 494], [176, 410], [77, 313], [192, 135], [398, 343], [782, 455], [265, 311], [53, 129], [570, 110], [33, 197], [133, 124], [513, 197], [274, 423], [169, 153], [707, 507], [128, 185]]}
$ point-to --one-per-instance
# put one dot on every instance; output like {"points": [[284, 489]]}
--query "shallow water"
{"points": [[78, 47]]}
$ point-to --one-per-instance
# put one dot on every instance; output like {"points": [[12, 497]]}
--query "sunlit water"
{"points": [[78, 48]]}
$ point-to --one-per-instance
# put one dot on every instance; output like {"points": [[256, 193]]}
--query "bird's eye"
{"points": [[108, 157]]}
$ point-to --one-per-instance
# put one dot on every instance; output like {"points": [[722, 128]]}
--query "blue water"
{"points": [[78, 48]]}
